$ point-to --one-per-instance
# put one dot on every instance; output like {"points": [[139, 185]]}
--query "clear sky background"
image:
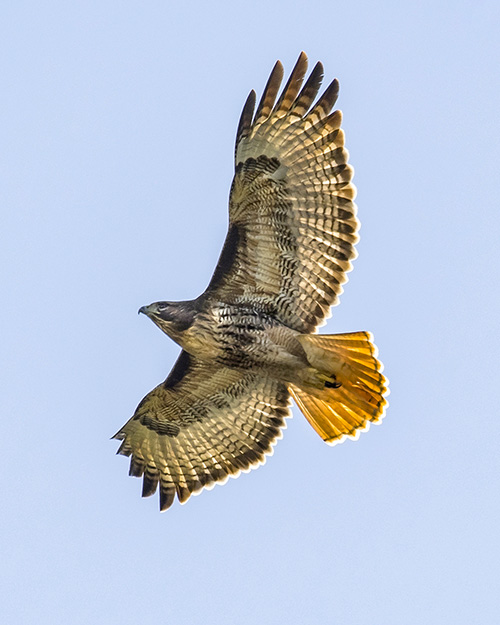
{"points": [[118, 124]]}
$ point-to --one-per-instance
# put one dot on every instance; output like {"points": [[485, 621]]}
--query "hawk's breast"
{"points": [[242, 337]]}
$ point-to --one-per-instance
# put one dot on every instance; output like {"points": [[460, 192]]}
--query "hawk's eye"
{"points": [[164, 311]]}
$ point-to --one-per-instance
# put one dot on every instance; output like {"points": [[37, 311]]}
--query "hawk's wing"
{"points": [[292, 219], [202, 425]]}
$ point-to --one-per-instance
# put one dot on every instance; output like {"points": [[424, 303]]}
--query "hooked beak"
{"points": [[144, 310]]}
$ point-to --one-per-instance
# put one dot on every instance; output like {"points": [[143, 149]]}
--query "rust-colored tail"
{"points": [[348, 362]]}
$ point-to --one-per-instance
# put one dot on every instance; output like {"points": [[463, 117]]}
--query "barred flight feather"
{"points": [[292, 183], [229, 439]]}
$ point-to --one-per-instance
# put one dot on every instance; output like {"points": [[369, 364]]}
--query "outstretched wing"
{"points": [[202, 425], [292, 219]]}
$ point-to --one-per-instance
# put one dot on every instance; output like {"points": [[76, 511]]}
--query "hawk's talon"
{"points": [[334, 384]]}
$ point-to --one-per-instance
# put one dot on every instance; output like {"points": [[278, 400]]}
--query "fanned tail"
{"points": [[349, 391]]}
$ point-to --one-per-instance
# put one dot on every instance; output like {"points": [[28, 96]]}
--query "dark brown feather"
{"points": [[293, 86], [269, 95], [309, 91], [326, 102], [178, 370], [246, 118]]}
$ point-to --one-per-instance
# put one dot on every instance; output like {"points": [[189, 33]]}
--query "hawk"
{"points": [[248, 342]]}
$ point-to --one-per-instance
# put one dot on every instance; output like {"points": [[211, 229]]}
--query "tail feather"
{"points": [[350, 359]]}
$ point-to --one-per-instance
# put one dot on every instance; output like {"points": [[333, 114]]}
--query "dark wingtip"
{"points": [[167, 495], [270, 92], [327, 101], [293, 85], [246, 118], [149, 484], [332, 92]]}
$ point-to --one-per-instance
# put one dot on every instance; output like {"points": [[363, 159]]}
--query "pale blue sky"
{"points": [[118, 124]]}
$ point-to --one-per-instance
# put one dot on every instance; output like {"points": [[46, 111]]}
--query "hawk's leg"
{"points": [[332, 382], [311, 377]]}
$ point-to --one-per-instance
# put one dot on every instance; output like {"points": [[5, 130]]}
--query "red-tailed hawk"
{"points": [[248, 341]]}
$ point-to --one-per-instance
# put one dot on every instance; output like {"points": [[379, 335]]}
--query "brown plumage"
{"points": [[247, 342]]}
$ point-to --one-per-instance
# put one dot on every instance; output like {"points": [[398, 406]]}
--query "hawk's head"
{"points": [[171, 317]]}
